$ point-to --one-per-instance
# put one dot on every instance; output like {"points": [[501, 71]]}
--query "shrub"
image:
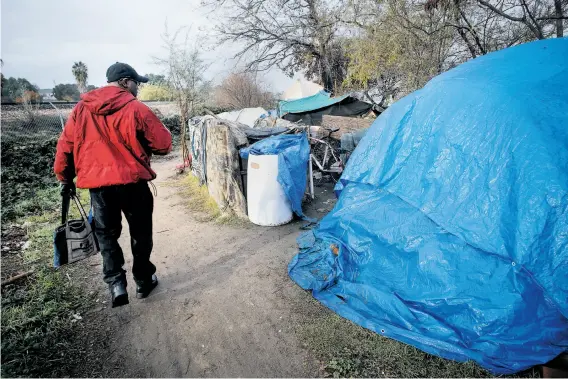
{"points": [[26, 169]]}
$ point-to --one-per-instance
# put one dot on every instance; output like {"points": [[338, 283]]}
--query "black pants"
{"points": [[137, 204]]}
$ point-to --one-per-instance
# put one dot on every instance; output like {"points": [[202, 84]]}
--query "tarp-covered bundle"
{"points": [[310, 110], [197, 128], [293, 152], [257, 134], [451, 228], [247, 116], [349, 142], [274, 122], [215, 145]]}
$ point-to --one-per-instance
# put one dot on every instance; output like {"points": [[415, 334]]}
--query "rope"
{"points": [[155, 190]]}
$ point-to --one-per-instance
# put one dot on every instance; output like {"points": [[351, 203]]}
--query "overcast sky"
{"points": [[41, 39]]}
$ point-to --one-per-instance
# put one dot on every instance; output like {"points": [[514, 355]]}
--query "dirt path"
{"points": [[225, 305]]}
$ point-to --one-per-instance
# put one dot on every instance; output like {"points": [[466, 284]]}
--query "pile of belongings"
{"points": [[215, 145]]}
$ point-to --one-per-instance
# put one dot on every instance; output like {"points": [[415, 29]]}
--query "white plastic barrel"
{"points": [[266, 202]]}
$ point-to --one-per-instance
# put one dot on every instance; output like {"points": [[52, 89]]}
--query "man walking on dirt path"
{"points": [[107, 143]]}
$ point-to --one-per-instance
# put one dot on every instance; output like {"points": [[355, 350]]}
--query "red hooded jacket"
{"points": [[109, 139]]}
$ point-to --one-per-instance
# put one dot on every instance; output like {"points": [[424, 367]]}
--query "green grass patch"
{"points": [[38, 314], [36, 323], [42, 224], [43, 202], [348, 350]]}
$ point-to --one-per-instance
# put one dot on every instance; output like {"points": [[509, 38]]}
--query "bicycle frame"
{"points": [[338, 169]]}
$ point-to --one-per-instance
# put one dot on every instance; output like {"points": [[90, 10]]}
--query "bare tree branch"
{"points": [[243, 90], [535, 27], [185, 76], [530, 22], [501, 13], [553, 17], [470, 28], [291, 34], [559, 17]]}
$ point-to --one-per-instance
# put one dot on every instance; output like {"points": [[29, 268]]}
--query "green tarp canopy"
{"points": [[310, 109]]}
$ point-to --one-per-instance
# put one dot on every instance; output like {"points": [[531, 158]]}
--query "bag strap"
{"points": [[81, 209], [65, 200]]}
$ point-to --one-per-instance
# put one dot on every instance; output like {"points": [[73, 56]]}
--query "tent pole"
{"points": [[310, 164], [311, 178]]}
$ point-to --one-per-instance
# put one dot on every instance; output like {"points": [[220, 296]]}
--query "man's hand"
{"points": [[68, 189]]}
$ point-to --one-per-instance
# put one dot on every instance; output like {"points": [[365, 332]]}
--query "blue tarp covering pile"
{"points": [[451, 228], [293, 152]]}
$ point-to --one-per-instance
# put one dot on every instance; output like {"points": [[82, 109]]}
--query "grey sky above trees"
{"points": [[342, 44], [42, 39]]}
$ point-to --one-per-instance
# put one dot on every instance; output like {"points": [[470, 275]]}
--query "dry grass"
{"points": [[204, 206], [199, 200], [232, 220], [348, 350]]}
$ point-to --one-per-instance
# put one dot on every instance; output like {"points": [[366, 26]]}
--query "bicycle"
{"points": [[324, 155]]}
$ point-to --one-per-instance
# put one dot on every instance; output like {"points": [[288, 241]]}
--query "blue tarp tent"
{"points": [[451, 228]]}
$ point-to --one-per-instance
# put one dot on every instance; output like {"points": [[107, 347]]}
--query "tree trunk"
{"points": [[559, 20], [183, 121], [470, 46], [471, 29], [326, 76]]}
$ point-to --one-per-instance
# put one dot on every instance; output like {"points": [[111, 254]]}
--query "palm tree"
{"points": [[80, 72]]}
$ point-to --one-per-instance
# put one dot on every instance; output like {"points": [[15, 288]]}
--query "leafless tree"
{"points": [[541, 17], [30, 102], [294, 35], [243, 90], [507, 21], [395, 44], [185, 71]]}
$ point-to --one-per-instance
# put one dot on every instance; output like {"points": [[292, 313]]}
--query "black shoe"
{"points": [[143, 289], [118, 294]]}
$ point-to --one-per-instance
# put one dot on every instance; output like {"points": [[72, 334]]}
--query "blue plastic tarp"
{"points": [[293, 152], [320, 100], [451, 228]]}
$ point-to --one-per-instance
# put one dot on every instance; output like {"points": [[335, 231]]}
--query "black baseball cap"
{"points": [[122, 70]]}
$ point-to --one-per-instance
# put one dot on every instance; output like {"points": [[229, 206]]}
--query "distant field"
{"points": [[44, 121]]}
